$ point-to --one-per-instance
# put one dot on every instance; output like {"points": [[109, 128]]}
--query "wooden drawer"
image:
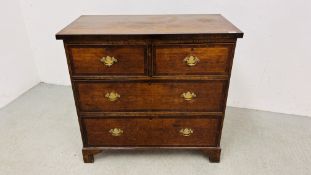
{"points": [[97, 60], [157, 96], [152, 132], [187, 59]]}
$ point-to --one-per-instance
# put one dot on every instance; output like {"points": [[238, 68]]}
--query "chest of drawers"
{"points": [[153, 81]]}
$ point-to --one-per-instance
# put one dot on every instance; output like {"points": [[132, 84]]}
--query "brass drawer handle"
{"points": [[186, 132], [191, 60], [112, 96], [108, 60], [116, 132], [188, 95]]}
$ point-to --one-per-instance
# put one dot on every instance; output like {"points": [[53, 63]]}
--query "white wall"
{"points": [[17, 67], [272, 64]]}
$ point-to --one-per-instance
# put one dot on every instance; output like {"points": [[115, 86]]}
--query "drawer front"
{"points": [[108, 60], [151, 132], [205, 96], [192, 59]]}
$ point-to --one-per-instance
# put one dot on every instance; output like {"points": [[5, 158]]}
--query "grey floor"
{"points": [[39, 134]]}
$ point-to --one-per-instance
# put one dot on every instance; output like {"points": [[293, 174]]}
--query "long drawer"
{"points": [[152, 132], [205, 96]]}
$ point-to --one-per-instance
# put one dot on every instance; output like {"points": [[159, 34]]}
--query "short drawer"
{"points": [[107, 60], [152, 132], [205, 96], [192, 59]]}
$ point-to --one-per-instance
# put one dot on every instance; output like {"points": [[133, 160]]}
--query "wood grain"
{"points": [[151, 132], [86, 60], [213, 59], [154, 96], [89, 25]]}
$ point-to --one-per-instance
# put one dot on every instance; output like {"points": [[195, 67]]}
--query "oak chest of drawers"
{"points": [[155, 81]]}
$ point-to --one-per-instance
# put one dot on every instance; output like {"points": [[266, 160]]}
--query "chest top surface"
{"points": [[87, 25]]}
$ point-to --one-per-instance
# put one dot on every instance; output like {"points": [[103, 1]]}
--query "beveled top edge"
{"points": [[120, 25]]}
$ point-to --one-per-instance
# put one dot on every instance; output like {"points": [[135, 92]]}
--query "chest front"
{"points": [[160, 85]]}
